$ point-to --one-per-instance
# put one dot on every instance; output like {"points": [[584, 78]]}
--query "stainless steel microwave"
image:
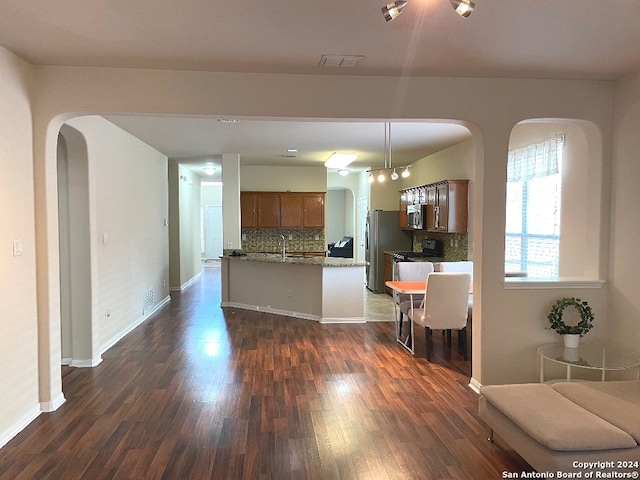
{"points": [[416, 216]]}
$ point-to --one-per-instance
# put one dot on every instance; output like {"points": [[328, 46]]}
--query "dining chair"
{"points": [[445, 307], [410, 271], [461, 266]]}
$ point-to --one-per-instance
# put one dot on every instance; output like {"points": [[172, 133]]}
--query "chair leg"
{"points": [[448, 338], [400, 325], [429, 340]]}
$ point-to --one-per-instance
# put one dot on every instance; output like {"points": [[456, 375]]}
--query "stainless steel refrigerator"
{"points": [[382, 233]]}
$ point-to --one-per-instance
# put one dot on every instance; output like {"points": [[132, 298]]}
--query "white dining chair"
{"points": [[410, 271], [445, 307]]}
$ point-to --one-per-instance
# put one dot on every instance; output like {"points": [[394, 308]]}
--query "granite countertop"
{"points": [[296, 259]]}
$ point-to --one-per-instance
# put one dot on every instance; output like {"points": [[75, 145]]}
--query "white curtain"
{"points": [[534, 161]]}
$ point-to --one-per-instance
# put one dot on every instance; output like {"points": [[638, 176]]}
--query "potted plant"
{"points": [[571, 333]]}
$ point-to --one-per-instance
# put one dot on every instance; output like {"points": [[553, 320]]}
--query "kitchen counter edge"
{"points": [[297, 260]]}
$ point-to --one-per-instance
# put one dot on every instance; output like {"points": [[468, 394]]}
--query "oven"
{"points": [[432, 250]]}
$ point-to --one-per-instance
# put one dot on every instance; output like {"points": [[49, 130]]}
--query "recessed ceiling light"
{"points": [[227, 120]]}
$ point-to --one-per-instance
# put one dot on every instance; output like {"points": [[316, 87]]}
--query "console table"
{"points": [[587, 356]]}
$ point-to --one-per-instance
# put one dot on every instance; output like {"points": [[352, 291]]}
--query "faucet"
{"points": [[284, 244]]}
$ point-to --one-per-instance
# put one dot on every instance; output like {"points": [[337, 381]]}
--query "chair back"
{"points": [[446, 301], [414, 271], [411, 271], [465, 266]]}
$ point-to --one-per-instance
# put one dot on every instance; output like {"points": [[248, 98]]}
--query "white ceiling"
{"points": [[570, 39]]}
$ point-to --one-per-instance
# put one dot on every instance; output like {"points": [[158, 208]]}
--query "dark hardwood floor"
{"points": [[200, 392]]}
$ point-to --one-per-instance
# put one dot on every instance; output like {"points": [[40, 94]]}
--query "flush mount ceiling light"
{"points": [[392, 10], [209, 170], [343, 173], [463, 7], [340, 160]]}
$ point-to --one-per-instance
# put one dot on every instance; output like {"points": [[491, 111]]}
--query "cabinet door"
{"points": [[388, 271], [457, 206], [291, 210], [403, 221], [313, 210], [442, 211], [269, 210], [248, 210], [432, 204]]}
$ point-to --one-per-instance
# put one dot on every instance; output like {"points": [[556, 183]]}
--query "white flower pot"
{"points": [[571, 340]]}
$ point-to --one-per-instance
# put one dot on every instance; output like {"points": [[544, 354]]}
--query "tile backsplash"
{"points": [[268, 239], [455, 245]]}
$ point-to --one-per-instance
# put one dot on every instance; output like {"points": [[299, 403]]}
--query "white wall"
{"points": [[18, 317], [624, 271], [508, 324], [128, 190]]}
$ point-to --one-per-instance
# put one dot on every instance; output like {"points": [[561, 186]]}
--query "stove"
{"points": [[430, 248], [405, 256]]}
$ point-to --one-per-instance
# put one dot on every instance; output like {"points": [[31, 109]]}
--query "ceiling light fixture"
{"points": [[343, 173], [463, 7], [392, 10], [340, 160], [209, 171], [388, 160]]}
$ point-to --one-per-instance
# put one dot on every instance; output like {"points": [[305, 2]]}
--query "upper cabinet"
{"points": [[447, 205], [313, 204], [248, 209], [282, 209]]}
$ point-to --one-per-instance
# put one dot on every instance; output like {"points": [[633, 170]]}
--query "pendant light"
{"points": [[463, 7], [393, 10]]}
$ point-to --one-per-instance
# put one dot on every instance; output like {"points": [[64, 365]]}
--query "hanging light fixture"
{"points": [[392, 10], [406, 173], [388, 161], [463, 7]]}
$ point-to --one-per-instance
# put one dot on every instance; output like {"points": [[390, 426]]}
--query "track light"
{"points": [[406, 173], [381, 177], [392, 10], [394, 175], [463, 7]]}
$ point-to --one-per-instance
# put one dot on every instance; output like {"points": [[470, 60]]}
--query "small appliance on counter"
{"points": [[416, 216]]}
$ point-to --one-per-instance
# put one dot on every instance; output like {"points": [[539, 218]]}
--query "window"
{"points": [[532, 242]]}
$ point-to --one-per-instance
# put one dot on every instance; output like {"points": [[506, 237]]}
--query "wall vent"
{"points": [[147, 300], [341, 61]]}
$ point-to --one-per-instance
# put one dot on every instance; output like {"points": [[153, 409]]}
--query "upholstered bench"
{"points": [[554, 426]]}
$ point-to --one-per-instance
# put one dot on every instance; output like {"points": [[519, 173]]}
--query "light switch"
{"points": [[105, 237], [17, 247]]}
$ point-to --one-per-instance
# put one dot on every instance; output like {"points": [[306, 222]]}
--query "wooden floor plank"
{"points": [[200, 392]]}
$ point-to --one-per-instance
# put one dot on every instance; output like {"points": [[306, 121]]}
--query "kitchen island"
{"points": [[324, 289]]}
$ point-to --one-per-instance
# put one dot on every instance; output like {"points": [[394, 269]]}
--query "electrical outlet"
{"points": [[291, 236], [289, 293], [107, 316], [17, 248], [229, 245]]}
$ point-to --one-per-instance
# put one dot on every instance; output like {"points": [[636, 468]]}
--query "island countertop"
{"points": [[297, 259]]}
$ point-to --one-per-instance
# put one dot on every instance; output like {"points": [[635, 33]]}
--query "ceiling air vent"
{"points": [[343, 61]]}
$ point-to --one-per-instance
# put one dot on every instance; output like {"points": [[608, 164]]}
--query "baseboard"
{"points": [[186, 284], [343, 320], [106, 346], [30, 416], [85, 363], [475, 385], [53, 405]]}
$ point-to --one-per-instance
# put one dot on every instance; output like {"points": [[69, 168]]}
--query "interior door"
{"points": [[213, 241]]}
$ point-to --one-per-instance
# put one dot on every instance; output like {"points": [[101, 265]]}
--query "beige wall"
{"points": [[508, 324], [624, 271], [18, 320], [129, 198], [282, 179]]}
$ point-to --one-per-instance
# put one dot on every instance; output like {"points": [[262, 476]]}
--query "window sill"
{"points": [[524, 283]]}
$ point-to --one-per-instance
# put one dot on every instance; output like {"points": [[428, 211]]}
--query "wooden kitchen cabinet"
{"points": [[248, 209], [268, 209], [403, 221], [388, 271], [291, 210], [313, 210], [447, 206], [282, 209]]}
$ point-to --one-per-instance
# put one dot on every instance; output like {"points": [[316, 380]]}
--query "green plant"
{"points": [[586, 317]]}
